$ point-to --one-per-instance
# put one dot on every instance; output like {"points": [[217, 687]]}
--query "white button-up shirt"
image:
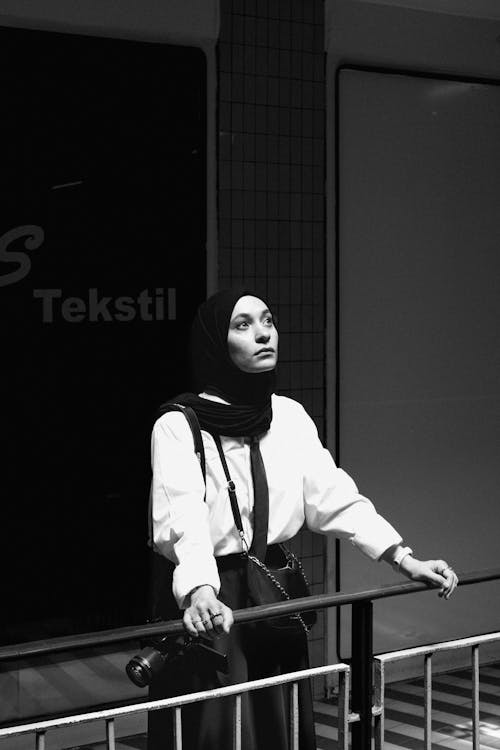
{"points": [[305, 486]]}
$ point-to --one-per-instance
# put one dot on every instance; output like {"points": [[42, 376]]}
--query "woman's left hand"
{"points": [[436, 573]]}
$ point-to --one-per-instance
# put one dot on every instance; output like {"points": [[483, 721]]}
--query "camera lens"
{"points": [[139, 672], [143, 666]]}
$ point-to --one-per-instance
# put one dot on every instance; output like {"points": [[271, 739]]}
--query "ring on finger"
{"points": [[212, 617]]}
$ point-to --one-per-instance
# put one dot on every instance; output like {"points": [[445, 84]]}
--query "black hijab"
{"points": [[249, 411]]}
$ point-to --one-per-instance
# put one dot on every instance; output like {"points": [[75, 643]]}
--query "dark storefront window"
{"points": [[102, 264]]}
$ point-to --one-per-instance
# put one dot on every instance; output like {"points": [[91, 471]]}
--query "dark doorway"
{"points": [[102, 264]]}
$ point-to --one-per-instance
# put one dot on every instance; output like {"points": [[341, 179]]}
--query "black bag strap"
{"points": [[194, 425], [231, 490], [199, 450]]}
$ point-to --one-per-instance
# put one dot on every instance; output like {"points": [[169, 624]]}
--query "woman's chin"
{"points": [[263, 367]]}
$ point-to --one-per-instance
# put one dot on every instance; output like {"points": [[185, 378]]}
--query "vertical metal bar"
{"points": [[361, 663], [343, 710], [294, 716], [110, 734], [379, 696], [178, 728], [40, 741], [237, 722], [428, 702], [475, 698]]}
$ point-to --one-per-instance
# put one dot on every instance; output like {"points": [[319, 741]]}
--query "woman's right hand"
{"points": [[206, 615]]}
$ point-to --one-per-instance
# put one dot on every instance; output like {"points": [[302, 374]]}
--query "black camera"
{"points": [[158, 652]]}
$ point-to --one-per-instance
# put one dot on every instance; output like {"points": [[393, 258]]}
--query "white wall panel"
{"points": [[419, 346]]}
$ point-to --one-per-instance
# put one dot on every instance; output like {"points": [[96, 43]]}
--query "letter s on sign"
{"points": [[34, 238]]}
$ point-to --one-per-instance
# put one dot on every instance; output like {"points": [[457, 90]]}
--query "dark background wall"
{"points": [[72, 167], [103, 217]]}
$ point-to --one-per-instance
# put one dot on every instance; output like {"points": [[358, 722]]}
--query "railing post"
{"points": [[379, 696], [361, 669], [475, 699], [428, 701], [343, 710], [237, 722]]}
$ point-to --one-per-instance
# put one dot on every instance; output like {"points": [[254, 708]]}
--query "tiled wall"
{"points": [[271, 193]]}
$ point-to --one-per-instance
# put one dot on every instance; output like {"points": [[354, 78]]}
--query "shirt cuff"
{"points": [[187, 577], [399, 555], [381, 536]]}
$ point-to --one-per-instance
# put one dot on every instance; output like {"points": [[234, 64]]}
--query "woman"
{"points": [[234, 352]]}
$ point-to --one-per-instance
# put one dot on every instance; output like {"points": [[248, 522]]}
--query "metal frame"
{"points": [[427, 652], [39, 729], [250, 614], [363, 708]]}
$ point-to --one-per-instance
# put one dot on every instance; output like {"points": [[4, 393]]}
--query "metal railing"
{"points": [[40, 729], [427, 652], [358, 673]]}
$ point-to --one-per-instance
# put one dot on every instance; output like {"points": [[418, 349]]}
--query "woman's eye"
{"points": [[241, 326], [269, 320]]}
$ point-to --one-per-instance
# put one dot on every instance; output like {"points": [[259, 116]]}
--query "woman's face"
{"points": [[252, 339]]}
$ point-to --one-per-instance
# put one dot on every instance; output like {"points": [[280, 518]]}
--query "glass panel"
{"points": [[419, 180], [102, 264]]}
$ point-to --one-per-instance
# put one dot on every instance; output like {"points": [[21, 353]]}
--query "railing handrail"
{"points": [[178, 700], [435, 648], [251, 614]]}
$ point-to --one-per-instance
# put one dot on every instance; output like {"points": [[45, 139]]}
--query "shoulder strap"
{"points": [[199, 450], [231, 490], [192, 419]]}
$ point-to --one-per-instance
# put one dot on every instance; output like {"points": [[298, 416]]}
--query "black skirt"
{"points": [[253, 651]]}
